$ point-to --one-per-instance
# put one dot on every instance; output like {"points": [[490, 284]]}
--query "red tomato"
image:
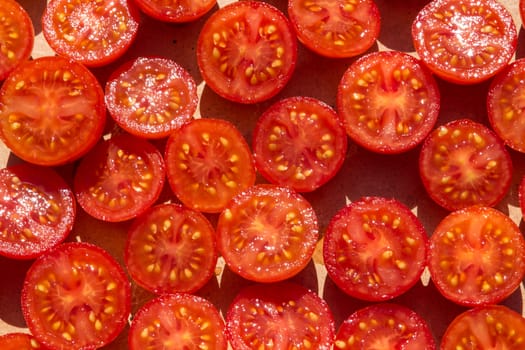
{"points": [[177, 321], [336, 28], [521, 195], [477, 256], [52, 111], [17, 36], [174, 10], [37, 210], [171, 248], [247, 51], [19, 341], [464, 163], [76, 297], [389, 101], [299, 142], [267, 233], [522, 10], [279, 316], [150, 97], [489, 327], [120, 178], [384, 326], [94, 33], [375, 249], [208, 161], [465, 41]]}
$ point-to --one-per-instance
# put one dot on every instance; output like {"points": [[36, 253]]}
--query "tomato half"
{"points": [[464, 163], [384, 326], [176, 11], [52, 111], [477, 256], [488, 327], [19, 341], [336, 28], [521, 195], [17, 36], [120, 178], [171, 248], [465, 41], [208, 161], [279, 316], [94, 33], [247, 51], [37, 210], [177, 321], [389, 101], [375, 249], [299, 142], [76, 297]]}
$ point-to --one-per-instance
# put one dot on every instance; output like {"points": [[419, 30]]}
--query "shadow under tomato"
{"points": [[520, 49], [34, 8], [13, 273]]}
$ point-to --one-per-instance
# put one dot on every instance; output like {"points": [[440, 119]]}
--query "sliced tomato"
{"points": [[171, 248], [177, 321], [375, 249], [120, 178], [17, 36], [176, 11], [521, 195], [37, 210], [247, 51], [465, 41], [464, 163], [488, 327], [477, 256], [284, 315], [151, 97], [76, 297], [52, 111], [267, 233], [336, 28], [19, 341], [208, 161], [389, 101], [299, 142], [94, 33], [384, 326]]}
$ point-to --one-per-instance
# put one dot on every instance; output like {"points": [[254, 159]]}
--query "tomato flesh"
{"points": [[176, 11], [19, 341]]}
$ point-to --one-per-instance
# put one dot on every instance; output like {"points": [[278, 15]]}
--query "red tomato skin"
{"points": [[521, 195], [19, 341], [176, 11]]}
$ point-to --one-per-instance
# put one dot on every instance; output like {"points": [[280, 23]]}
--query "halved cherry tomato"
{"points": [[94, 33], [150, 97], [384, 326], [281, 315], [299, 142], [17, 36], [336, 28], [52, 111], [488, 327], [375, 249], [37, 210], [120, 178], [76, 296], [171, 248], [174, 10], [389, 101], [177, 321], [477, 256], [464, 163], [267, 233], [208, 161], [465, 41], [521, 195], [247, 51], [19, 341], [522, 11]]}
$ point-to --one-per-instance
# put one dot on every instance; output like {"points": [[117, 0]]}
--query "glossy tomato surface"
{"points": [[389, 101], [465, 41], [247, 51], [267, 233], [299, 142], [464, 163], [94, 33], [336, 28], [52, 111], [19, 341], [176, 11], [284, 315], [76, 297], [37, 210], [375, 249], [477, 256]]}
